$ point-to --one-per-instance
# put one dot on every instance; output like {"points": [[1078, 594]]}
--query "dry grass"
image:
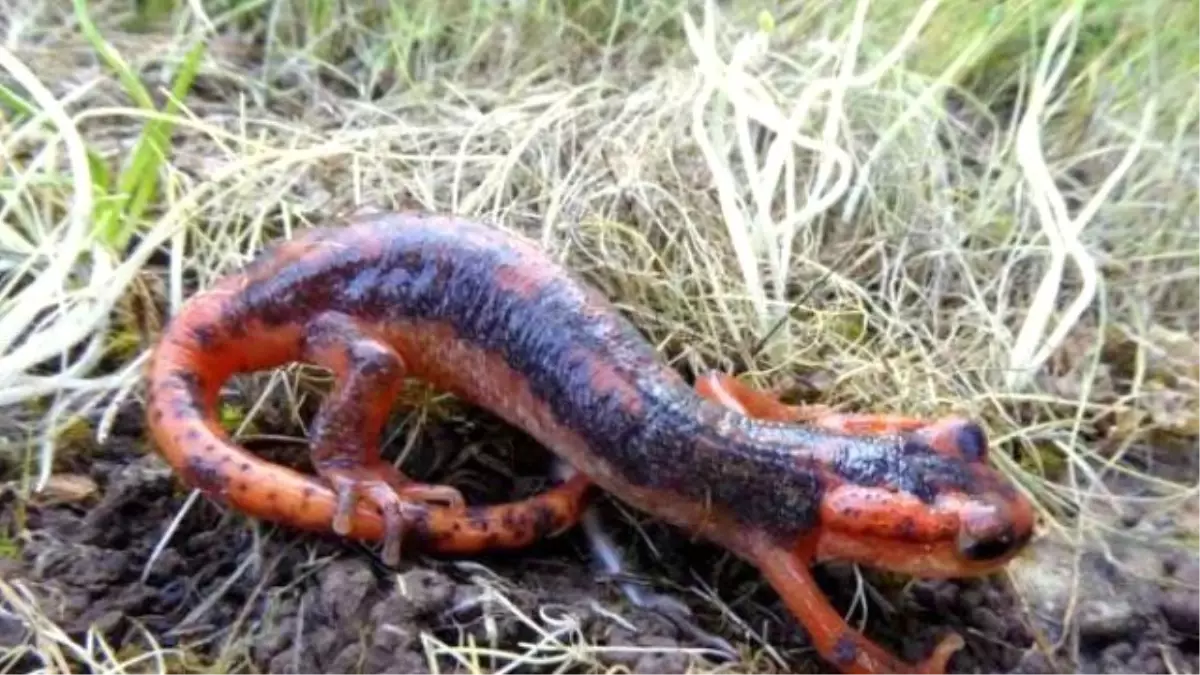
{"points": [[894, 207]]}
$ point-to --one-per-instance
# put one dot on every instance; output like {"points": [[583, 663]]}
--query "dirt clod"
{"points": [[1181, 609], [1103, 621], [422, 592], [345, 584]]}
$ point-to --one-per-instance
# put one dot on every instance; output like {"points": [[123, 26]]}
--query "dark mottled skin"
{"points": [[489, 317]]}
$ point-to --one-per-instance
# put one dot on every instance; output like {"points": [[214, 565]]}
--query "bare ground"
{"points": [[229, 595]]}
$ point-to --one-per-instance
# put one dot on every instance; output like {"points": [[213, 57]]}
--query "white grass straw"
{"points": [[68, 327], [1033, 348], [757, 238]]}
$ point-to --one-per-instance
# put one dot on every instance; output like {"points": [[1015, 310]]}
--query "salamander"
{"points": [[488, 316]]}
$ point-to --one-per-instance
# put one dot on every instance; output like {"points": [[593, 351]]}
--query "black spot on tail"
{"points": [[206, 476], [845, 650]]}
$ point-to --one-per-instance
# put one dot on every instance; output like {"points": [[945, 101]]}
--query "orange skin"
{"points": [[489, 317]]}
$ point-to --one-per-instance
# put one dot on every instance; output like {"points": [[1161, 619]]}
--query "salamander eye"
{"points": [[972, 442], [990, 547], [954, 438]]}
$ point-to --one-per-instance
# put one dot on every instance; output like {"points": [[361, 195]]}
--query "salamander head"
{"points": [[927, 505]]}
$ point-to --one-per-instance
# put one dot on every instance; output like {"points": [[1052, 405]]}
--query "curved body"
{"points": [[489, 317]]}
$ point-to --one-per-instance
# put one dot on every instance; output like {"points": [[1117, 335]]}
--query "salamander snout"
{"points": [[992, 529]]}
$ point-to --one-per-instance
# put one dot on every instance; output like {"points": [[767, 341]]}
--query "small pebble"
{"points": [[344, 586], [1181, 609], [1106, 621], [1187, 569]]}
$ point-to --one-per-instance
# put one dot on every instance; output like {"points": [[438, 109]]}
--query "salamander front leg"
{"points": [[952, 436], [836, 642], [345, 435]]}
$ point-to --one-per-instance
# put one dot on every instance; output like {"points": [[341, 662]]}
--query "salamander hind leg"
{"points": [[738, 396], [368, 375], [734, 394], [951, 436]]}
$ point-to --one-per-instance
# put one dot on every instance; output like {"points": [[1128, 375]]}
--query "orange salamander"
{"points": [[489, 317]]}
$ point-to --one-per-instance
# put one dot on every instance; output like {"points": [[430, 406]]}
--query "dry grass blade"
{"points": [[1061, 230]]}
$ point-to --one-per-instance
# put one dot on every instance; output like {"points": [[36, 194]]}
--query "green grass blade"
{"points": [[118, 214]]}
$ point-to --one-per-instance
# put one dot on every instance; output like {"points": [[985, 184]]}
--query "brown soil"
{"points": [[243, 596]]}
